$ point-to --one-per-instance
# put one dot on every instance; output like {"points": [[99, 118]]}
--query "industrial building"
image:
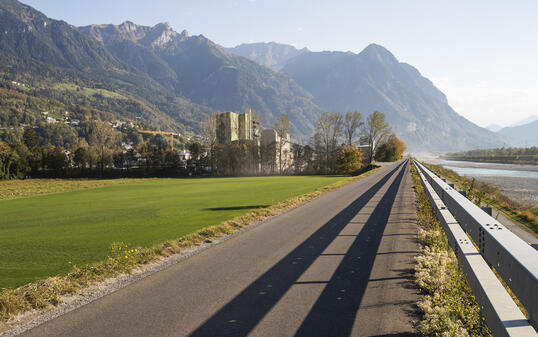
{"points": [[232, 126]]}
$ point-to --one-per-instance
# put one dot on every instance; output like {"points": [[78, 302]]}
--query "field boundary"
{"points": [[33, 304]]}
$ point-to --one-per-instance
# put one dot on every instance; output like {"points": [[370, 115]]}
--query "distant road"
{"points": [[339, 265]]}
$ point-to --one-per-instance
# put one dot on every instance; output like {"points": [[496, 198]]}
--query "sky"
{"points": [[482, 54]]}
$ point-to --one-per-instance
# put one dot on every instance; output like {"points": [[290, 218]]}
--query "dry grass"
{"points": [[448, 305], [15, 189], [123, 259]]}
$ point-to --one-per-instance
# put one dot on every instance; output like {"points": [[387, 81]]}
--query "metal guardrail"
{"points": [[514, 260]]}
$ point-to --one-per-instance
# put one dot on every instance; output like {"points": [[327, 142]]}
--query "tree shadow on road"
{"points": [[334, 312], [239, 316]]}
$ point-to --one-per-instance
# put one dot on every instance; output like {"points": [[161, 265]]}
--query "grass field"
{"points": [[45, 235], [15, 189], [87, 91]]}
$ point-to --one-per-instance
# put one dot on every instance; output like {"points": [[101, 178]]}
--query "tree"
{"points": [[352, 121], [81, 157], [308, 158], [391, 150], [6, 161], [119, 158], [102, 136], [268, 157], [349, 160], [30, 139], [282, 128], [329, 130], [55, 159], [297, 151], [195, 150], [208, 132], [376, 130]]}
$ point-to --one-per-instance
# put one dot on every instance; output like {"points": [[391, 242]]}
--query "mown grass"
{"points": [[121, 257], [447, 302], [483, 192], [46, 235]]}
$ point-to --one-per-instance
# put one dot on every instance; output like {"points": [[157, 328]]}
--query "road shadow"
{"points": [[235, 208], [335, 310], [239, 316]]}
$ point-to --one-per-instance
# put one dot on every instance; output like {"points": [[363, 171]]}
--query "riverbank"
{"points": [[517, 182], [481, 191]]}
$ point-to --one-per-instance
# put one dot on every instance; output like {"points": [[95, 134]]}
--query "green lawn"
{"points": [[87, 91], [44, 235]]}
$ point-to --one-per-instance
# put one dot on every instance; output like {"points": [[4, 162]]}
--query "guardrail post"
{"points": [[488, 210]]}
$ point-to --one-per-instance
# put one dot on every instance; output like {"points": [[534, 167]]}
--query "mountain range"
{"points": [[201, 71], [522, 135], [168, 79], [173, 80], [272, 55], [375, 80]]}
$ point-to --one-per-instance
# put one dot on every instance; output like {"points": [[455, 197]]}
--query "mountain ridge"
{"points": [[205, 73], [524, 134], [169, 79], [174, 80], [375, 80], [270, 54]]}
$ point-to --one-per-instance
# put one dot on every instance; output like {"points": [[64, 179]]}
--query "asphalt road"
{"points": [[339, 265]]}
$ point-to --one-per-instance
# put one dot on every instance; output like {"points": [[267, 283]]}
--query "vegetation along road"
{"points": [[339, 265], [45, 235]]}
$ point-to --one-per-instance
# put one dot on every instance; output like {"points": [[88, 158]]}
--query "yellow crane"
{"points": [[167, 133]]}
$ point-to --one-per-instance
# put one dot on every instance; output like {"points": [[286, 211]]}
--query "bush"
{"points": [[349, 160]]}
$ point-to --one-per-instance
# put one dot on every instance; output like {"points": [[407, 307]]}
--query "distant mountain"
{"points": [[494, 127], [53, 59], [169, 79], [374, 80], [203, 72], [526, 120], [522, 135], [271, 54], [172, 80]]}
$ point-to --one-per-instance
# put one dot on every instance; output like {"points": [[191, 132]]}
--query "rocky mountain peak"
{"points": [[378, 53], [160, 35]]}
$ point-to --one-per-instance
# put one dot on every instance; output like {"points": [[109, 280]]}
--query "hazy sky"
{"points": [[482, 54]]}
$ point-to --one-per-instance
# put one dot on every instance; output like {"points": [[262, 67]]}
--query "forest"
{"points": [[508, 155]]}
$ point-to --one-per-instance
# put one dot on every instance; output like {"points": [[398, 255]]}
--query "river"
{"points": [[519, 182]]}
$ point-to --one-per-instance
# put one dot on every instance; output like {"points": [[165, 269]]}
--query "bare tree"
{"points": [[257, 120], [208, 132], [102, 137], [376, 130], [282, 128], [352, 122], [329, 128]]}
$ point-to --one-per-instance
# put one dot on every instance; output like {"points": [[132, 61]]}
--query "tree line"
{"points": [[526, 155], [341, 144]]}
